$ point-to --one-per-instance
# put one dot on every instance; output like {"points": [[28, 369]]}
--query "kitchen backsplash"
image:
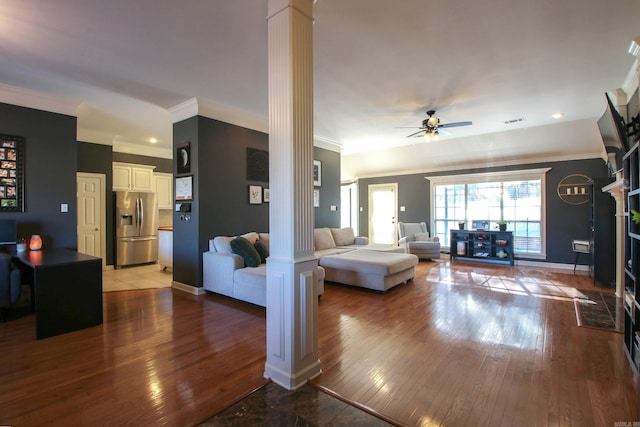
{"points": [[165, 217]]}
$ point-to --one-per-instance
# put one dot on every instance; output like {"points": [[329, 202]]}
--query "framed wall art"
{"points": [[317, 173], [183, 159], [257, 165], [316, 198], [255, 195], [266, 195], [11, 173], [184, 188]]}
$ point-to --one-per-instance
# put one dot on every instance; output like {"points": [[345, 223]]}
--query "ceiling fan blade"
{"points": [[453, 125], [443, 132], [416, 133]]}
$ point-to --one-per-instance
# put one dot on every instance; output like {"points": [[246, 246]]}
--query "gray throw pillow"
{"points": [[246, 250], [262, 249]]}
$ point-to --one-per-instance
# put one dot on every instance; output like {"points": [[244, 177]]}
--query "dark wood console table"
{"points": [[67, 289], [482, 246]]}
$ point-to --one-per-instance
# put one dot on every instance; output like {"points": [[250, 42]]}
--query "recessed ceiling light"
{"points": [[153, 140], [558, 115]]}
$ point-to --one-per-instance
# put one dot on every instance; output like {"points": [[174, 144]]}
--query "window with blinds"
{"points": [[496, 198]]}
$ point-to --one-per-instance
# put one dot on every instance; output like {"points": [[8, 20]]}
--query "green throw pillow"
{"points": [[245, 249], [262, 249]]}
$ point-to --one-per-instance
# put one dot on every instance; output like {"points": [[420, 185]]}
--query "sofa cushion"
{"points": [[370, 262], [262, 249], [251, 237], [223, 244], [343, 236], [421, 236], [322, 239], [246, 250], [264, 237]]}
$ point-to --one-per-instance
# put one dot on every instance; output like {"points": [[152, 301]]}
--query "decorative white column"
{"points": [[616, 189], [292, 301]]}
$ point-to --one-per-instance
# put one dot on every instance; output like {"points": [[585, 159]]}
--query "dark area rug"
{"points": [[599, 310], [273, 405]]}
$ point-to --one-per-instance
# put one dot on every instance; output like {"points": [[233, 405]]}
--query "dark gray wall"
{"points": [[329, 190], [564, 222], [187, 261], [221, 190], [50, 173]]}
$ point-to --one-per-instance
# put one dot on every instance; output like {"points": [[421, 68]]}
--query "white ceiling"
{"points": [[378, 66]]}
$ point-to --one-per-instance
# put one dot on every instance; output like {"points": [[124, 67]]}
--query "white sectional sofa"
{"points": [[224, 272], [342, 258]]}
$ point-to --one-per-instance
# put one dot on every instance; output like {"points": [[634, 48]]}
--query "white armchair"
{"points": [[414, 237]]}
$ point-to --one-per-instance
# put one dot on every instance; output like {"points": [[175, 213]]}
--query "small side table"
{"points": [[580, 247]]}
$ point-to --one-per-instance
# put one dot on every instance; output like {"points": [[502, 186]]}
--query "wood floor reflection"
{"points": [[475, 345], [460, 345]]}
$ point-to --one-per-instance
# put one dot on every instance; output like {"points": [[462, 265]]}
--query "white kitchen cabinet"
{"points": [[165, 248], [132, 177], [163, 186]]}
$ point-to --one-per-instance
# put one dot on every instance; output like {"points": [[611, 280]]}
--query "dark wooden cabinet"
{"points": [[602, 217], [482, 246]]}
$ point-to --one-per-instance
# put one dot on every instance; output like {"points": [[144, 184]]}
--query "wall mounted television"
{"points": [[613, 131]]}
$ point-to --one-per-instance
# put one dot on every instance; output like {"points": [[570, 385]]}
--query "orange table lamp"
{"points": [[35, 244]]}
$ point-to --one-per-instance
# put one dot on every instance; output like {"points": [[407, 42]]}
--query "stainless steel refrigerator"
{"points": [[136, 228]]}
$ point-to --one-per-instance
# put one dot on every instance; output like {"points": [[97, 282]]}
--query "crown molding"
{"points": [[184, 110], [121, 146], [477, 165], [327, 144], [38, 100]]}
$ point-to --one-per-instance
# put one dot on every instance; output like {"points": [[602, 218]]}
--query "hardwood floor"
{"points": [[475, 345], [460, 345]]}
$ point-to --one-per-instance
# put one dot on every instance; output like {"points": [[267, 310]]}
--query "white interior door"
{"points": [[383, 201], [91, 215]]}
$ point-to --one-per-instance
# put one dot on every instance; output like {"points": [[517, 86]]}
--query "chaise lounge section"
{"points": [[379, 271], [342, 258]]}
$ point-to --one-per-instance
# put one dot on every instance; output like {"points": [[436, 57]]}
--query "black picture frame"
{"points": [[183, 159], [184, 188], [255, 195], [317, 173], [12, 165], [257, 165]]}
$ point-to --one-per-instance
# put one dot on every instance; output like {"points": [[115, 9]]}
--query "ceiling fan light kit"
{"points": [[431, 125]]}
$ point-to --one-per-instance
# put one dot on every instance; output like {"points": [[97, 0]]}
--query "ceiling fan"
{"points": [[431, 128]]}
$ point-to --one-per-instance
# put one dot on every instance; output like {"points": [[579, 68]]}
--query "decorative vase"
{"points": [[461, 225], [35, 244], [502, 227]]}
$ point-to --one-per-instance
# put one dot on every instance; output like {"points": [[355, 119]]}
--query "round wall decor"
{"points": [[574, 189]]}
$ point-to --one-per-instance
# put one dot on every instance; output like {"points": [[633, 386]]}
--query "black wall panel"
{"points": [[50, 173]]}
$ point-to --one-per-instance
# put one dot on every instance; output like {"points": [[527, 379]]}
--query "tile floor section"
{"points": [[272, 405], [150, 276]]}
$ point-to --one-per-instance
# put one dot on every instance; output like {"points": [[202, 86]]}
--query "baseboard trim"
{"points": [[187, 288], [528, 263], [531, 263]]}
